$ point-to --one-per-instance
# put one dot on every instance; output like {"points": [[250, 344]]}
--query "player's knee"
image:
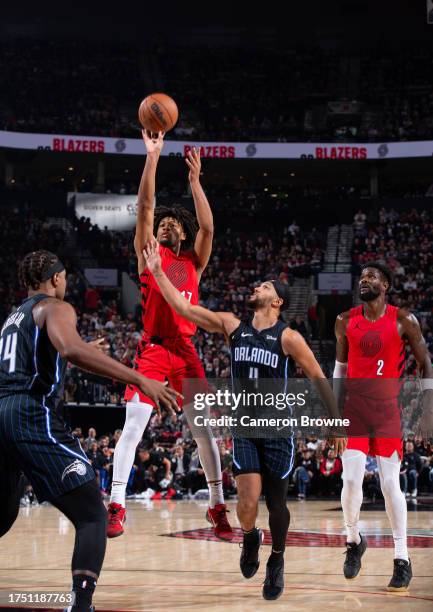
{"points": [[132, 433], [247, 505], [389, 485], [276, 504], [95, 515], [351, 483]]}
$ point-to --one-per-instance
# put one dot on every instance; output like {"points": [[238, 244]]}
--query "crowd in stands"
{"points": [[255, 94], [70, 87]]}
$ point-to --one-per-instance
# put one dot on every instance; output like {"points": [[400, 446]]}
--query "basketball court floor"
{"points": [[168, 560]]}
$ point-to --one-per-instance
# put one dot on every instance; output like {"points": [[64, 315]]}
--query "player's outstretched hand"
{"points": [[161, 393], [101, 344], [338, 444], [153, 141], [193, 162], [152, 257]]}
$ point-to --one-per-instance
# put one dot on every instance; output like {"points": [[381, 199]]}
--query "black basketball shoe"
{"points": [[402, 575], [273, 585], [353, 553], [249, 561]]}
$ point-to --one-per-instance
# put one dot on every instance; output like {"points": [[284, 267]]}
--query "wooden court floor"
{"points": [[167, 561]]}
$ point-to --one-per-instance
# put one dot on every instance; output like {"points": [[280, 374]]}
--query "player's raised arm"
{"points": [[294, 344], [61, 322], [203, 241], [220, 322], [146, 196]]}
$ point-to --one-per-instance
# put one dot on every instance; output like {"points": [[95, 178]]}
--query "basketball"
{"points": [[158, 113]]}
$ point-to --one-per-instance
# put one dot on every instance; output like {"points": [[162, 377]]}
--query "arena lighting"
{"points": [[265, 174], [292, 174], [70, 168]]}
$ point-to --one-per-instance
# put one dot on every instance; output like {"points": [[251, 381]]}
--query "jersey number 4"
{"points": [[8, 350]]}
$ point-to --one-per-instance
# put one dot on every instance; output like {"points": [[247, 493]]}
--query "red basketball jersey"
{"points": [[376, 351], [159, 319]]}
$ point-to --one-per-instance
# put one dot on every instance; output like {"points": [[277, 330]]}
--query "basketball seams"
{"points": [[163, 106]]}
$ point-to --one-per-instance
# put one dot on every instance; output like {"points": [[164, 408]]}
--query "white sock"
{"points": [[216, 495], [351, 494], [395, 503], [137, 418], [209, 456]]}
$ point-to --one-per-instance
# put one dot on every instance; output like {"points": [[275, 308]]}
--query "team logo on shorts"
{"points": [[77, 466]]}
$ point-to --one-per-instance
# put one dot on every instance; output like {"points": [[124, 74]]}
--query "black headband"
{"points": [[283, 292], [57, 266]]}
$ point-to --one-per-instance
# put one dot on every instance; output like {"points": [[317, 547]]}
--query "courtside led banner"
{"points": [[221, 150]]}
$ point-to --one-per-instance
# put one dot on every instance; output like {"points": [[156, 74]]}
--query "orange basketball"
{"points": [[158, 113]]}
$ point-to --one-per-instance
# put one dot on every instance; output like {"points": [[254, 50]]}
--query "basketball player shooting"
{"points": [[165, 351], [36, 342], [259, 463], [371, 346]]}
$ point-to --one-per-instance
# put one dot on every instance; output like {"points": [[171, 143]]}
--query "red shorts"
{"points": [[375, 425], [173, 360]]}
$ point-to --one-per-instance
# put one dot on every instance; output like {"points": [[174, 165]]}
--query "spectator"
{"points": [[409, 471], [152, 469], [179, 467], [371, 484], [330, 473], [195, 478], [91, 438], [304, 472]]}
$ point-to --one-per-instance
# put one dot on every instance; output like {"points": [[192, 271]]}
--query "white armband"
{"points": [[426, 383], [340, 370]]}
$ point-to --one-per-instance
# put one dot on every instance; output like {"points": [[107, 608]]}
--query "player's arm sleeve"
{"points": [[145, 208]]}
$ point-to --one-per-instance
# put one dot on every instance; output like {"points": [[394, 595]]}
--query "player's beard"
{"points": [[370, 295], [254, 303], [170, 241]]}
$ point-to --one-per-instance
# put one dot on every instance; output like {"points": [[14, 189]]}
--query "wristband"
{"points": [[426, 383], [340, 370]]}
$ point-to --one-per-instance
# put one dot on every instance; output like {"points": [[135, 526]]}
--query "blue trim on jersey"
{"points": [[234, 460], [233, 439], [52, 438], [57, 377], [35, 359], [292, 456]]}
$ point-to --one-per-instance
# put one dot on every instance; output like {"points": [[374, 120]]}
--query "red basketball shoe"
{"points": [[116, 518], [217, 516]]}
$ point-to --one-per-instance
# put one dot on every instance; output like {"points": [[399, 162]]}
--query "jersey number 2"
{"points": [[8, 350], [380, 365]]}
